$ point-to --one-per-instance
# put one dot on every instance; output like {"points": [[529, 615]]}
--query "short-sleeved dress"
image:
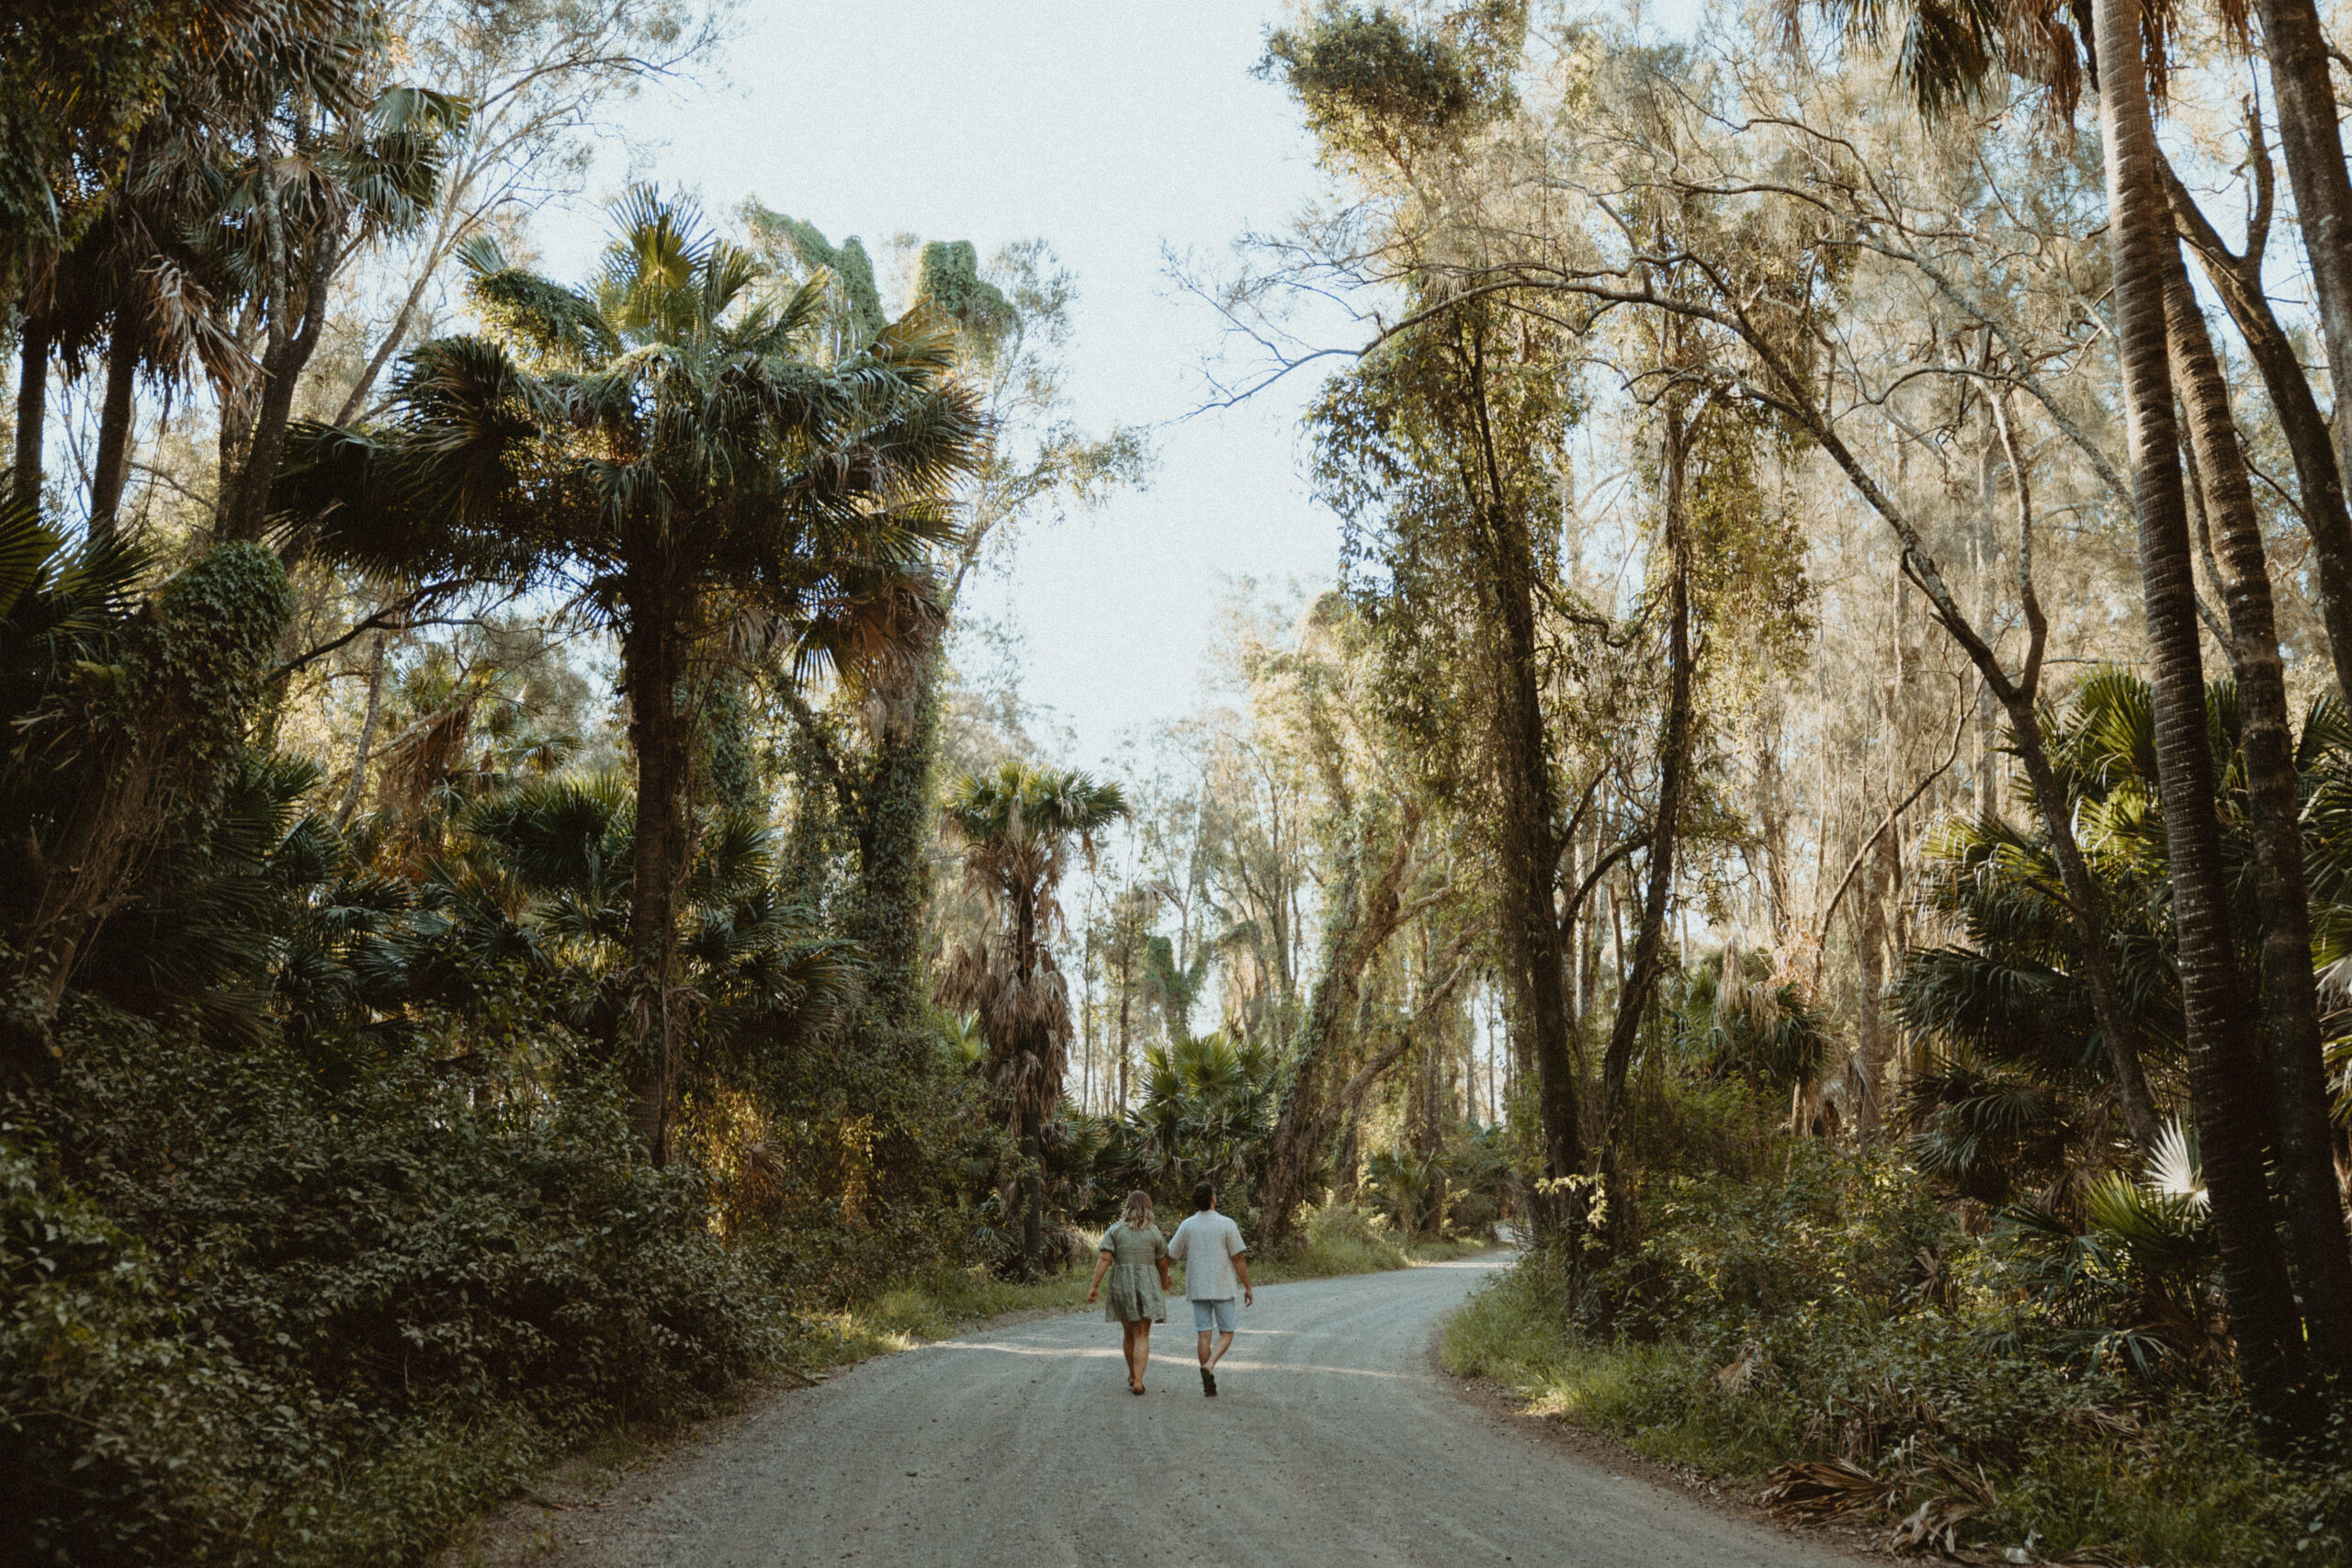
{"points": [[1131, 1289]]}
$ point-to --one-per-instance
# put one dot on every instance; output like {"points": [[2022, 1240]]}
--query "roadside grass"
{"points": [[1333, 1242], [2173, 1484]]}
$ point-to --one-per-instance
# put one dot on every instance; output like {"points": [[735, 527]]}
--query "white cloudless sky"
{"points": [[1112, 131]]}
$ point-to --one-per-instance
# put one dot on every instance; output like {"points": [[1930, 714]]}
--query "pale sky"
{"points": [[1110, 130]]}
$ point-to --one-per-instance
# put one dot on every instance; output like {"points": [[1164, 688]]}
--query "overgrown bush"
{"points": [[1827, 1311], [347, 1317]]}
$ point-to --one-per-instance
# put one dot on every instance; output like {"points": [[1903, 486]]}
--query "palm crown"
{"points": [[658, 440], [1018, 825]]}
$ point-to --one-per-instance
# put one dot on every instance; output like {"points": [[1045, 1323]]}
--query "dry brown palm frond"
{"points": [[1025, 1021], [1961, 1492], [1932, 1530], [1813, 1490], [1754, 1360]]}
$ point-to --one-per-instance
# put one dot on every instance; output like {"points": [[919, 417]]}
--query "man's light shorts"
{"points": [[1217, 1315]]}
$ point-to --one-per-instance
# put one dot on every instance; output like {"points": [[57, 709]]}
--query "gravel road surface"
{"points": [[1334, 1441]]}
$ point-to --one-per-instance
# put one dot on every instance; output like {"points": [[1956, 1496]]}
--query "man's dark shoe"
{"points": [[1208, 1383]]}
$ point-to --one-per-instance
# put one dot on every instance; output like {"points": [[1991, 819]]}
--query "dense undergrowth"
{"points": [[1904, 1361], [252, 1321]]}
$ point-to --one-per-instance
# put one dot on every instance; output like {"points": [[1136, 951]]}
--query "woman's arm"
{"points": [[1101, 1267]]}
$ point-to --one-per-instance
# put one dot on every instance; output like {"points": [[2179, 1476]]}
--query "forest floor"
{"points": [[1335, 1439]]}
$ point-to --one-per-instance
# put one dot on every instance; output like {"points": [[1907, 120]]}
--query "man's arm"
{"points": [[1241, 1267]]}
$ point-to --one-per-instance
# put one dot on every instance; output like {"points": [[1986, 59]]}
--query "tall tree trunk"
{"points": [[2226, 1080], [116, 414], [895, 829], [2296, 44], [1870, 1032], [1365, 918], [244, 503], [2319, 479], [1032, 1187], [1529, 817], [1347, 1184], [32, 407], [356, 789], [2322, 1265], [1674, 757], [661, 734], [1126, 1002]]}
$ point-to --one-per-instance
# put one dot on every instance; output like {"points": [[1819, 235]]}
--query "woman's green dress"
{"points": [[1131, 1289]]}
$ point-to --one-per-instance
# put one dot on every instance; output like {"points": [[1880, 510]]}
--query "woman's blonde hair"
{"points": [[1139, 1208]]}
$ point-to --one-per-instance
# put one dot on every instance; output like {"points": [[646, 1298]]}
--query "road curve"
{"points": [[1333, 1441]]}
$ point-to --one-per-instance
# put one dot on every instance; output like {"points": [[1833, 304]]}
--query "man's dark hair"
{"points": [[1202, 1196]]}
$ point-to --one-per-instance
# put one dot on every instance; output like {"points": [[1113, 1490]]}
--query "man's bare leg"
{"points": [[1224, 1343]]}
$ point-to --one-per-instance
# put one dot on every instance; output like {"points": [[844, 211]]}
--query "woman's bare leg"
{"points": [[1128, 1348], [1142, 1358]]}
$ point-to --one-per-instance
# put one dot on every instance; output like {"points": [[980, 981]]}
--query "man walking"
{"points": [[1212, 1250]]}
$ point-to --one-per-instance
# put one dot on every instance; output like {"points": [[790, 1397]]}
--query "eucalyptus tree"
{"points": [[533, 77], [1019, 825], [660, 442]]}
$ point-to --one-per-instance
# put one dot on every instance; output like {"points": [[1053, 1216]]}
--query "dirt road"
{"points": [[1334, 1441]]}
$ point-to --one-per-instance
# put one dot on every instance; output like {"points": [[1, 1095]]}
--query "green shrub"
{"points": [[347, 1319], [1825, 1308]]}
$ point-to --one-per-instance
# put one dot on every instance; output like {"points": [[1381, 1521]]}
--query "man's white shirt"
{"points": [[1207, 1242]]}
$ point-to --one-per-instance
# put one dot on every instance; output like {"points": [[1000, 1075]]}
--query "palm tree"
{"points": [[2224, 1065], [1018, 825], [1949, 50], [660, 442], [764, 976]]}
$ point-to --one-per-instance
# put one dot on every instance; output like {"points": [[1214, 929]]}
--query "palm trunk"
{"points": [[2322, 1265], [32, 407], [2319, 480], [2296, 44], [1127, 1001], [116, 414], [2225, 1078], [895, 830], [652, 649]]}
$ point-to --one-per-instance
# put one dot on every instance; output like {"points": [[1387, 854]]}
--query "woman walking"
{"points": [[1134, 1258]]}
